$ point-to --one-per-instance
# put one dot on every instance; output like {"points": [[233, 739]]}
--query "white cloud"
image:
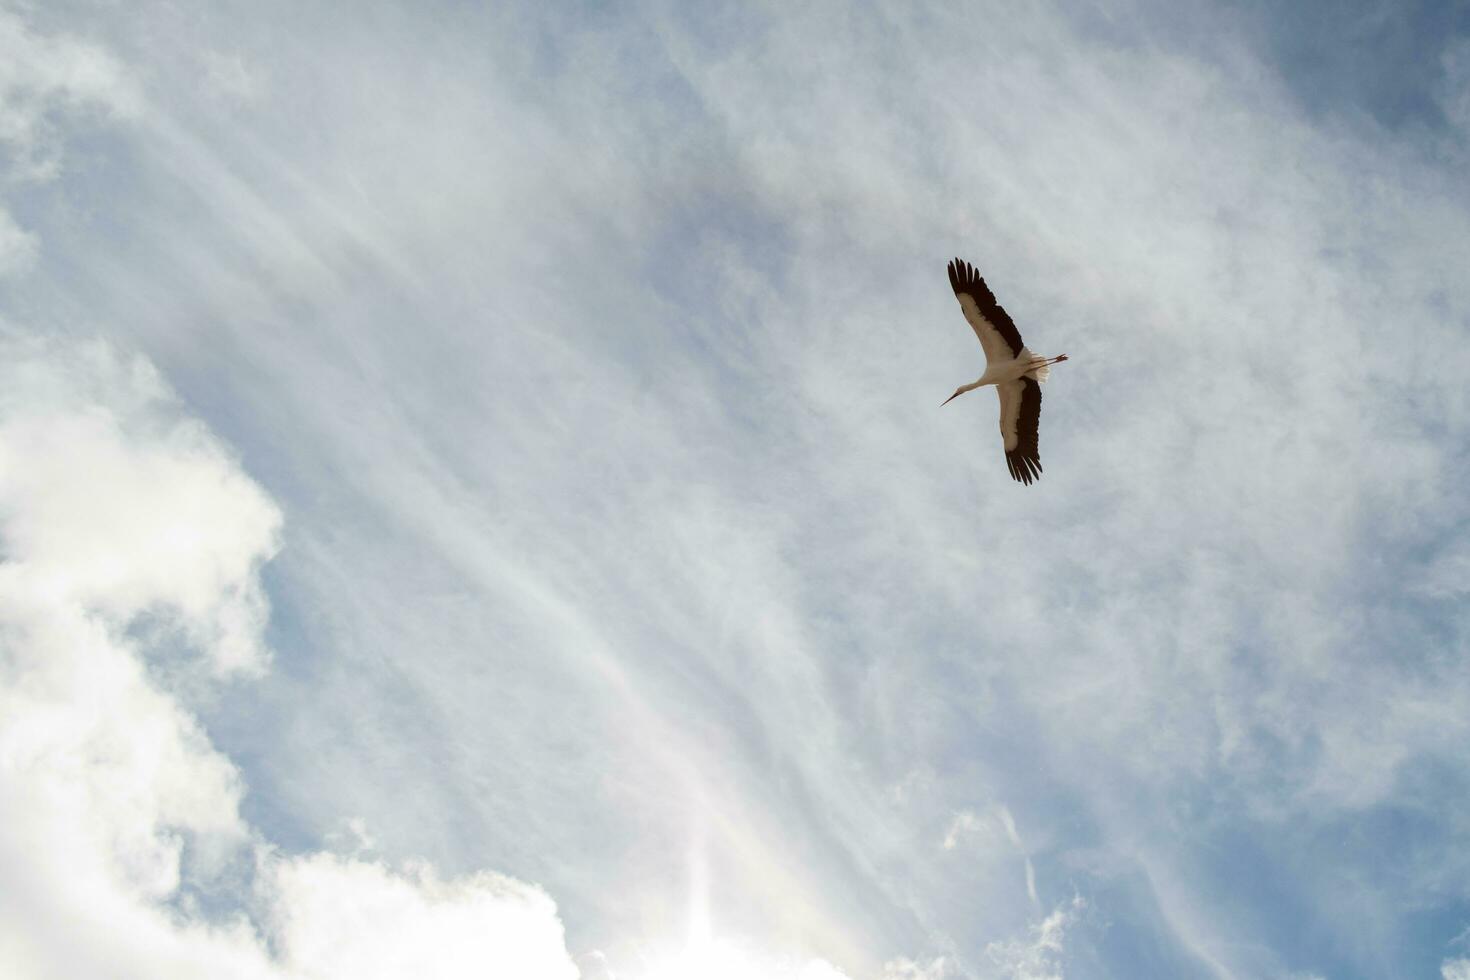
{"points": [[142, 511], [1455, 970], [727, 962], [986, 835], [124, 848], [820, 970], [42, 77], [906, 969], [996, 825], [344, 918], [726, 539], [111, 507], [1039, 956], [964, 824]]}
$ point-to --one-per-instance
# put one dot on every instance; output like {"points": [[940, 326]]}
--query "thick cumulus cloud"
{"points": [[116, 506], [343, 917], [130, 550]]}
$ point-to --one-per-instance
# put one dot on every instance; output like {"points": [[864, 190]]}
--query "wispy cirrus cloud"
{"points": [[594, 361]]}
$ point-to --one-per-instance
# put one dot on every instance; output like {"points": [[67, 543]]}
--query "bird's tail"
{"points": [[1043, 372]]}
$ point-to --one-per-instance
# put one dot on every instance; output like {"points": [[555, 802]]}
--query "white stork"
{"points": [[1014, 370]]}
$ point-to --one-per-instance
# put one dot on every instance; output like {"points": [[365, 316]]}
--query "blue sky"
{"points": [[474, 499]]}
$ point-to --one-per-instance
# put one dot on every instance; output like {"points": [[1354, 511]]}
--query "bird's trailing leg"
{"points": [[1040, 368]]}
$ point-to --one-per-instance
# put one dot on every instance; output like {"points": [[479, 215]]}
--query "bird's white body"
{"points": [[1014, 370], [1027, 365]]}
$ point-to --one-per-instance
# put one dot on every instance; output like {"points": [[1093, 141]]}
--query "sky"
{"points": [[474, 500]]}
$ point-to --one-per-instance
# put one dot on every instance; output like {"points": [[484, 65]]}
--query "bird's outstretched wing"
{"points": [[998, 335], [1020, 422]]}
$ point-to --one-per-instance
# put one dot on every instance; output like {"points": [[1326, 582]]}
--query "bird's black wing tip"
{"points": [[1024, 469], [964, 276]]}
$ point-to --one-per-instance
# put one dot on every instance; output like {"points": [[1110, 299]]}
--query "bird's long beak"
{"points": [[949, 399]]}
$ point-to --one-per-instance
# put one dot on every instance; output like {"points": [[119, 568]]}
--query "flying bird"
{"points": [[1015, 371]]}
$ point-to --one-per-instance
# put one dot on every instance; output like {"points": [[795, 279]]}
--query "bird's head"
{"points": [[957, 393]]}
